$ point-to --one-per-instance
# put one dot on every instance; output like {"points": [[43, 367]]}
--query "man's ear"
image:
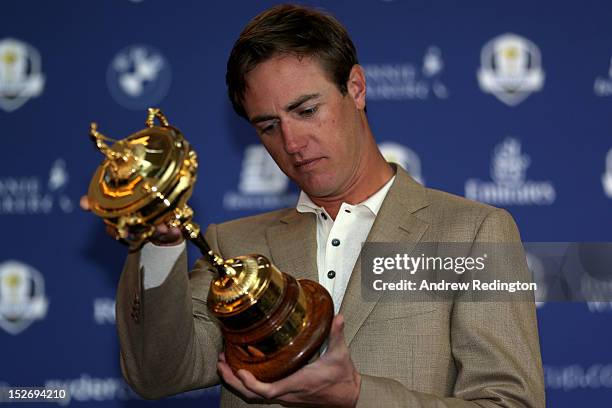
{"points": [[356, 86]]}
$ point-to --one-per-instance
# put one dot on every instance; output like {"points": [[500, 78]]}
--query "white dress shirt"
{"points": [[339, 241]]}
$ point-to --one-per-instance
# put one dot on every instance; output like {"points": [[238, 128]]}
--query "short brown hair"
{"points": [[294, 30]]}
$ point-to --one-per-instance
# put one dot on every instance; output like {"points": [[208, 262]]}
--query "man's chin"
{"points": [[319, 185], [317, 191]]}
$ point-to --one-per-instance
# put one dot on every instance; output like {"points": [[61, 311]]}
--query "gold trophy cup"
{"points": [[272, 324]]}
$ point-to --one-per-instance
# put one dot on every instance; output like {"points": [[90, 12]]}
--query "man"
{"points": [[293, 74]]}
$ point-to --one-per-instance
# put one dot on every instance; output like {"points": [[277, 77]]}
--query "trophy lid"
{"points": [[146, 172]]}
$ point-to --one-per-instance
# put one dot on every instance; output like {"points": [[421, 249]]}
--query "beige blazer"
{"points": [[452, 354]]}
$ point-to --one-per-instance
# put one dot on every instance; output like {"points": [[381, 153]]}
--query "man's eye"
{"points": [[308, 112], [268, 128]]}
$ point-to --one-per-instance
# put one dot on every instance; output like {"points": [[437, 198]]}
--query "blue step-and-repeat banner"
{"points": [[505, 102]]}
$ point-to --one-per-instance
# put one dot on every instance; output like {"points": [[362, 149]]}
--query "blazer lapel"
{"points": [[293, 245], [395, 222]]}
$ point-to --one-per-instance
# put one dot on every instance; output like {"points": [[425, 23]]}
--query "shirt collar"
{"points": [[373, 203]]}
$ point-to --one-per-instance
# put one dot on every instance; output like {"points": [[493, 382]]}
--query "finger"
{"points": [[336, 333], [112, 232], [84, 203], [167, 235], [236, 383], [175, 230], [161, 229], [175, 233], [281, 389], [255, 386]]}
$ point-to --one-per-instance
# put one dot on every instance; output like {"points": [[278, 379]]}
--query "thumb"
{"points": [[336, 334], [84, 203]]}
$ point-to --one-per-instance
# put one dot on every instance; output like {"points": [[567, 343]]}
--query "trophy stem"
{"points": [[192, 231], [213, 258]]}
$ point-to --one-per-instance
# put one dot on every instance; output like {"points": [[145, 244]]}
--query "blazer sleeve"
{"points": [[495, 345], [168, 342]]}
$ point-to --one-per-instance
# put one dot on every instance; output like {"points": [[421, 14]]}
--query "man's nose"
{"points": [[294, 138]]}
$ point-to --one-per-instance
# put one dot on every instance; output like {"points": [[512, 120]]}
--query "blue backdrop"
{"points": [[503, 102]]}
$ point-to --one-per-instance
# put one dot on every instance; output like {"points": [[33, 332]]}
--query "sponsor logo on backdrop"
{"points": [[104, 311], [599, 307], [510, 185], [603, 84], [22, 296], [20, 74], [407, 80], [262, 184], [510, 68], [25, 195], [405, 157], [138, 77], [577, 377], [606, 178]]}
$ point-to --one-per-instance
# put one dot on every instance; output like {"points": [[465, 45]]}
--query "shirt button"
{"points": [[335, 242], [324, 216], [331, 274]]}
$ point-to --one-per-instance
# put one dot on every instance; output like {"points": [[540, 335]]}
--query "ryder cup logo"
{"points": [[510, 185], [510, 68], [20, 74], [138, 77], [262, 184], [22, 296], [406, 81], [606, 178], [402, 155]]}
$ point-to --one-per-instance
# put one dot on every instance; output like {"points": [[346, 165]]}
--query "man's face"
{"points": [[312, 131]]}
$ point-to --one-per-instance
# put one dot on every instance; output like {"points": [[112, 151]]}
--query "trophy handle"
{"points": [[156, 113], [100, 141]]}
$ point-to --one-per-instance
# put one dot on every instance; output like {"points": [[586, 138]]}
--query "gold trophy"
{"points": [[272, 324]]}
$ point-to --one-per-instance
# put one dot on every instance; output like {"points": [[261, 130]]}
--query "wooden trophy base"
{"points": [[272, 366]]}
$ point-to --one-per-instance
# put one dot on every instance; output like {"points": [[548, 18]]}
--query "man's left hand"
{"points": [[330, 381]]}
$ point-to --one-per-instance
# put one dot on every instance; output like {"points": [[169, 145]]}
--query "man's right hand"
{"points": [[164, 235]]}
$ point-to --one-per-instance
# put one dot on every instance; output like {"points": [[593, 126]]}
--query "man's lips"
{"points": [[305, 165]]}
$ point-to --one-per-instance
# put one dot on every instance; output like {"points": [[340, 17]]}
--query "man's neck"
{"points": [[367, 182]]}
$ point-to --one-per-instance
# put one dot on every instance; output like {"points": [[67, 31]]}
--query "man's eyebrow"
{"points": [[262, 118], [291, 106], [300, 100]]}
